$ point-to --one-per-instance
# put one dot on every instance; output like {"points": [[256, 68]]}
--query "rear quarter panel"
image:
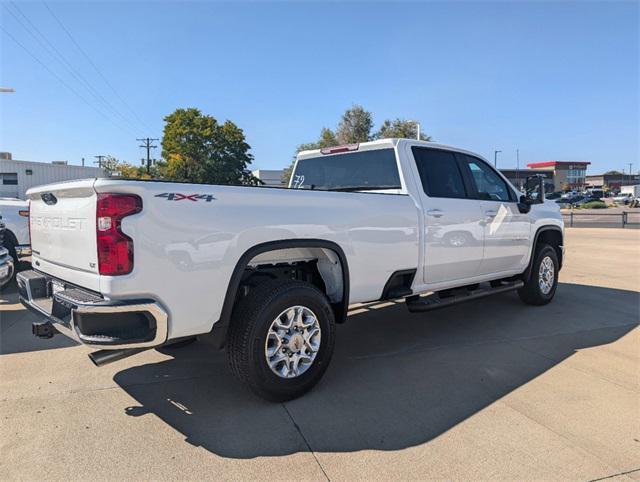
{"points": [[187, 248], [18, 225]]}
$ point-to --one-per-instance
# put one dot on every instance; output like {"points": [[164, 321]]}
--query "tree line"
{"points": [[198, 148]]}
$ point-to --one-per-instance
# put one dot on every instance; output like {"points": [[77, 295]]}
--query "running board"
{"points": [[434, 302]]}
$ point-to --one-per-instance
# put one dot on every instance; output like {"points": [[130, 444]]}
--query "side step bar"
{"points": [[435, 302]]}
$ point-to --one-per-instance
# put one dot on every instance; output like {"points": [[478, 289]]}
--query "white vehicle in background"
{"points": [[623, 198], [633, 194], [125, 266], [15, 215], [6, 261]]}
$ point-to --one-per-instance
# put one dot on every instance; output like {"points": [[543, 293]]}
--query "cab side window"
{"points": [[439, 173], [489, 185]]}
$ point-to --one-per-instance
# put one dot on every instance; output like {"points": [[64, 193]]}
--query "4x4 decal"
{"points": [[176, 196]]}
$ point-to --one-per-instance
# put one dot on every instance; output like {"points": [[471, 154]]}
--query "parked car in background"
{"points": [[553, 195], [595, 194], [15, 215], [623, 198], [634, 192], [565, 202], [569, 195], [582, 200], [6, 262]]}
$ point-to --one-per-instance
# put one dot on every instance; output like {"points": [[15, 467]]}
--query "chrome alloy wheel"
{"points": [[293, 341], [546, 275]]}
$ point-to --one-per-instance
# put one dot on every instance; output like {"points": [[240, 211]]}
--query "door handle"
{"points": [[491, 213], [436, 213]]}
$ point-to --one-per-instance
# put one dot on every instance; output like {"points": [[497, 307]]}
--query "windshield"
{"points": [[353, 171]]}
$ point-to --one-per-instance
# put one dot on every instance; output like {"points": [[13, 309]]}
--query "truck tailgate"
{"points": [[63, 231]]}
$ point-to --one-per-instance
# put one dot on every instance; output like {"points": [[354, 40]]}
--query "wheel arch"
{"points": [[340, 308], [551, 235]]}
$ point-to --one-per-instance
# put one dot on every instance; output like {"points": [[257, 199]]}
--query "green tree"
{"points": [[399, 128], [110, 165], [355, 126], [197, 148]]}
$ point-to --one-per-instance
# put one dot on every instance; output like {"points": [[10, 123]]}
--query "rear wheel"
{"points": [[281, 339], [541, 285]]}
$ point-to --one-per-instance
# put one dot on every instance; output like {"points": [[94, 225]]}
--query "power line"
{"points": [[86, 56], [147, 145], [58, 56], [60, 79]]}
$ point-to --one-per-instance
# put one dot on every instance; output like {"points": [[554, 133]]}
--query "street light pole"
{"points": [[495, 158], [417, 127]]}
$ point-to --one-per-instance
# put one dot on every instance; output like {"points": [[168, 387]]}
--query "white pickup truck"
{"points": [[15, 214], [125, 266]]}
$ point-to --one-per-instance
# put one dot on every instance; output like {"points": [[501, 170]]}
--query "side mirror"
{"points": [[534, 190], [533, 193]]}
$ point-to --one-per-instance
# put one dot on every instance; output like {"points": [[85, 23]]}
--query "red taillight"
{"points": [[115, 249]]}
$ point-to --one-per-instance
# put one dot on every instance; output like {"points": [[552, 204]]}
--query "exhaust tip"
{"points": [[104, 357]]}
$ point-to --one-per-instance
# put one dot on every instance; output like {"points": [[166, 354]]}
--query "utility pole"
{"points": [[83, 162], [147, 144], [630, 172], [495, 158], [99, 160]]}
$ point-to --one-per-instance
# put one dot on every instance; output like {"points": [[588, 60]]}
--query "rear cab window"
{"points": [[370, 170]]}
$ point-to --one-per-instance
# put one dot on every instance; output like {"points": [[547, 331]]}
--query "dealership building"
{"points": [[16, 176], [566, 174]]}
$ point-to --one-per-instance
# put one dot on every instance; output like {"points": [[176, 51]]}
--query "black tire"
{"points": [[11, 248], [531, 293], [248, 331]]}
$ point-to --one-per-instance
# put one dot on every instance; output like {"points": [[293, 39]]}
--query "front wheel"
{"points": [[540, 287], [281, 339]]}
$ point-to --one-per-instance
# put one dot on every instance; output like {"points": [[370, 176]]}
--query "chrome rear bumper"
{"points": [[88, 318]]}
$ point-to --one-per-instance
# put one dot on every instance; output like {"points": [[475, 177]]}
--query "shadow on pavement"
{"points": [[15, 326], [396, 380]]}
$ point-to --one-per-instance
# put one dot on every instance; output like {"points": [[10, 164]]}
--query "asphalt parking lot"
{"points": [[493, 389]]}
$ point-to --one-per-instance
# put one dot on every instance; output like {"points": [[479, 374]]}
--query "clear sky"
{"points": [[558, 80]]}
